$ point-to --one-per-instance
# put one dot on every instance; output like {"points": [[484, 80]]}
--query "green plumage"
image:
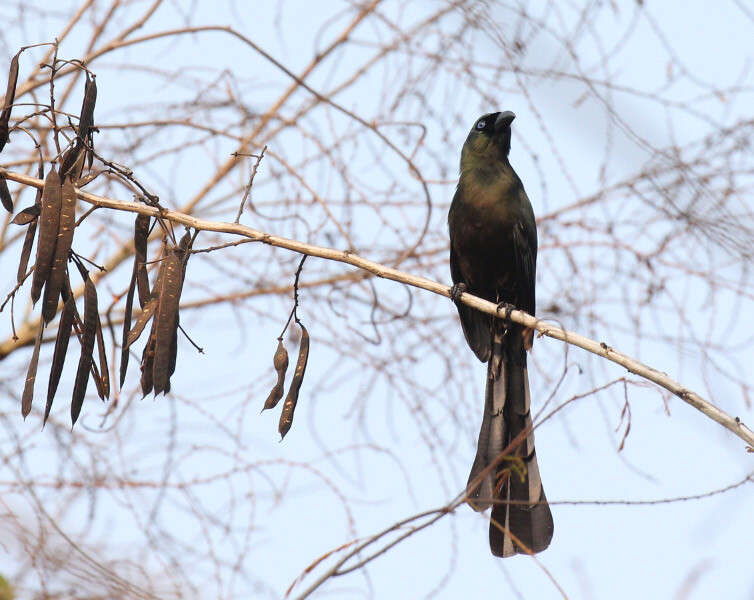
{"points": [[493, 254]]}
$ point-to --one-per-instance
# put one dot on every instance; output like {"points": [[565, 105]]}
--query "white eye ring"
{"points": [[481, 125]]}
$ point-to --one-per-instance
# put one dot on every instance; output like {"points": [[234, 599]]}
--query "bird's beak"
{"points": [[504, 119]]}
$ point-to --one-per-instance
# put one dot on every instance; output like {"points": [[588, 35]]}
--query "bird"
{"points": [[493, 255]]}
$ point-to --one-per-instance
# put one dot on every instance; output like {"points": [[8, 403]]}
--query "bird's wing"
{"points": [[475, 324]]}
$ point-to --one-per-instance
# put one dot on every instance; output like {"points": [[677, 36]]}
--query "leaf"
{"points": [[10, 97], [31, 375], [26, 251], [61, 348], [48, 232], [289, 406], [91, 316], [5, 196], [27, 215], [141, 233], [280, 362], [62, 249], [124, 353]]}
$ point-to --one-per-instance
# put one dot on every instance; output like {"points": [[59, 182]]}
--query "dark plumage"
{"points": [[493, 254]]}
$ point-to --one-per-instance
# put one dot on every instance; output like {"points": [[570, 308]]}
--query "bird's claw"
{"points": [[457, 290], [508, 309]]}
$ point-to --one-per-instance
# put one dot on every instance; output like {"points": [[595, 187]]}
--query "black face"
{"points": [[486, 124], [491, 133]]}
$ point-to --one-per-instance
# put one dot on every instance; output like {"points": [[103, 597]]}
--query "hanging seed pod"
{"points": [[61, 348], [147, 364], [32, 230], [141, 321], [141, 233], [63, 244], [91, 315], [5, 196], [26, 251], [90, 153], [31, 375], [98, 381], [289, 406], [151, 305], [164, 326], [10, 97], [124, 353], [166, 319], [27, 215], [103, 389], [280, 362], [49, 221], [86, 117], [173, 351]]}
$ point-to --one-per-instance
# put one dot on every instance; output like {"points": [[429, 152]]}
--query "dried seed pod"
{"points": [[86, 117], [26, 251], [72, 164], [74, 159], [10, 97], [32, 230], [103, 389], [173, 351], [63, 244], [151, 305], [52, 197], [5, 196], [124, 353], [40, 175], [91, 315], [31, 375], [61, 348], [289, 406], [27, 215], [280, 362], [147, 365], [164, 326], [98, 383], [141, 321], [141, 233], [184, 244]]}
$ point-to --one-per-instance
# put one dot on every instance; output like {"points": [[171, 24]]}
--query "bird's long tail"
{"points": [[521, 519]]}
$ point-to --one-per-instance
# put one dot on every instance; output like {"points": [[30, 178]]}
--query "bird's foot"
{"points": [[508, 309], [457, 290]]}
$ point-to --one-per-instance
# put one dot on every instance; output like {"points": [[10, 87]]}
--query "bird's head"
{"points": [[489, 140]]}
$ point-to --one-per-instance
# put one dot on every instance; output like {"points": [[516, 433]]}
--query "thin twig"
{"points": [[247, 191]]}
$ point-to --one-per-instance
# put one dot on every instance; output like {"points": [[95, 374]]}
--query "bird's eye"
{"points": [[481, 124]]}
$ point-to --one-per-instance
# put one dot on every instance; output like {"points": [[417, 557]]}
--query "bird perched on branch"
{"points": [[493, 254]]}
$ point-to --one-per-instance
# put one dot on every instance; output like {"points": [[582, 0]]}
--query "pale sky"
{"points": [[598, 551]]}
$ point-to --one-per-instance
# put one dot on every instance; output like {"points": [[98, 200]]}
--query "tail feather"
{"points": [[521, 518]]}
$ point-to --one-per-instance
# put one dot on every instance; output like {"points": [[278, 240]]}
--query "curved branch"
{"points": [[733, 424]]}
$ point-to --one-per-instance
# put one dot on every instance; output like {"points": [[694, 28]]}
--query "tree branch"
{"points": [[734, 424]]}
